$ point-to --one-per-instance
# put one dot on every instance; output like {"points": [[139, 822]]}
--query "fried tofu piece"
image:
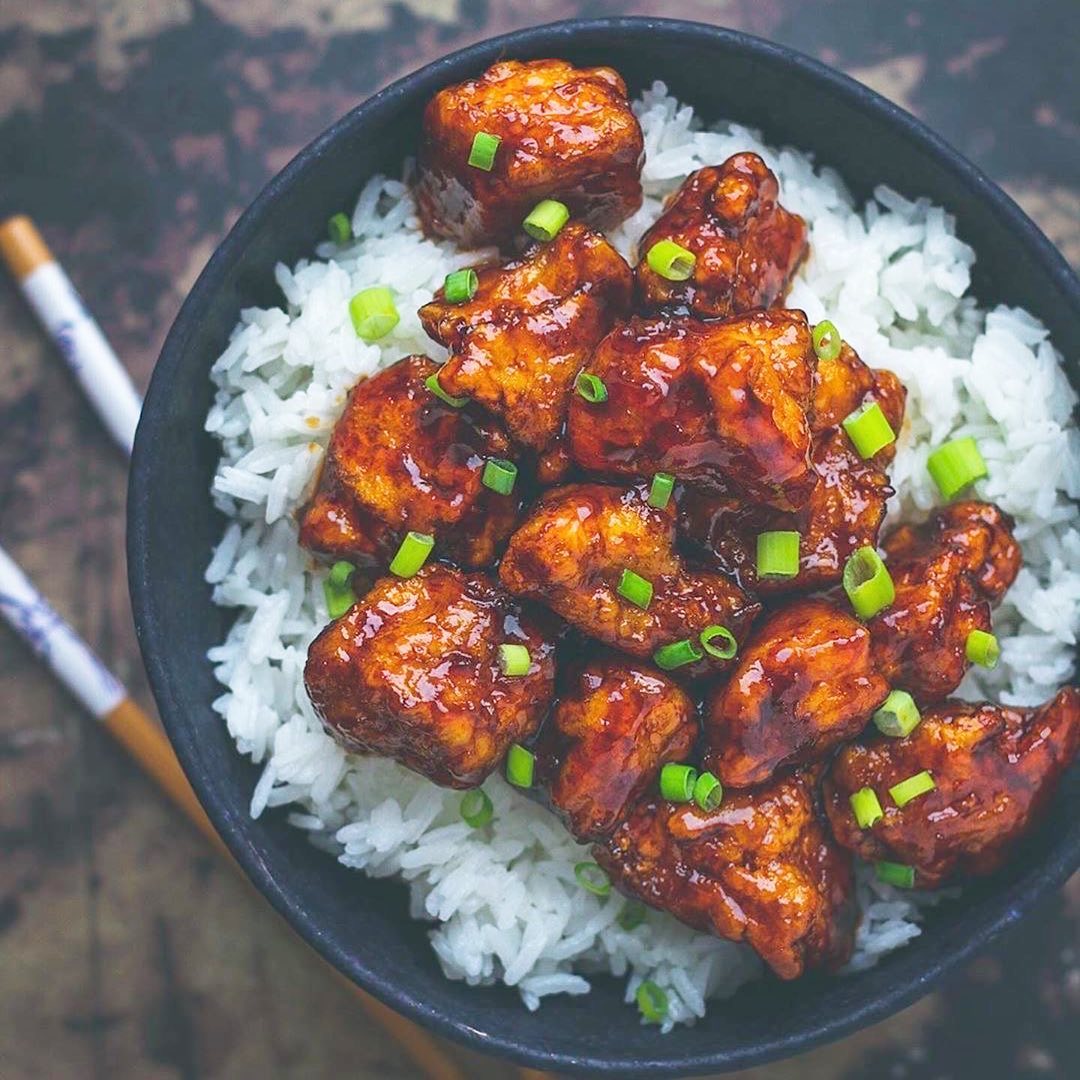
{"points": [[565, 133], [761, 869], [412, 671], [573, 548], [746, 246], [617, 723], [723, 403], [994, 769], [804, 683], [518, 344], [401, 459]]}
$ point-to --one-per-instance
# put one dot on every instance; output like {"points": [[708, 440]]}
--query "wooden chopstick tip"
{"points": [[22, 247]]}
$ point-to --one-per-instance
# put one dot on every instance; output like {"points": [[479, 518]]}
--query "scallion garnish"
{"points": [[652, 1002], [590, 387], [719, 642], [592, 878], [499, 475], [337, 589], [708, 792], [373, 313], [677, 781], [898, 715], [546, 219], [482, 151], [460, 286], [670, 260], [339, 229], [869, 429], [514, 660], [677, 654], [632, 915], [663, 484], [636, 589], [866, 808], [955, 464], [903, 877], [826, 340], [867, 583], [432, 383], [520, 764], [412, 554], [912, 788], [778, 554], [982, 648], [476, 808]]}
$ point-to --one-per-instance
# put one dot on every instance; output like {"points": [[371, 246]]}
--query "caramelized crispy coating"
{"points": [[994, 768], [722, 403], [617, 723], [567, 133], [946, 573], [804, 683], [412, 672], [980, 532], [746, 245], [405, 458], [573, 547], [518, 344], [761, 869], [844, 512]]}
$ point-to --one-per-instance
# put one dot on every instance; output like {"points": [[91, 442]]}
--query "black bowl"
{"points": [[361, 926]]}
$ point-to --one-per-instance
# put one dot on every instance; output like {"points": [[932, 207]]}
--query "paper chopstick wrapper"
{"points": [[78, 337]]}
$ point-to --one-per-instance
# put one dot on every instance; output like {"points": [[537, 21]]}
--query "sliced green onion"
{"points": [[865, 806], [894, 873], [412, 554], [632, 915], [476, 808], [675, 655], [677, 782], [636, 589], [955, 464], [867, 583], [912, 788], [708, 792], [663, 484], [520, 764], [727, 646], [432, 383], [982, 648], [482, 151], [590, 387], [651, 1002], [337, 589], [898, 716], [592, 878], [869, 429], [339, 229], [499, 475], [778, 554], [514, 660], [670, 260], [826, 340], [546, 219], [373, 313], [460, 286]]}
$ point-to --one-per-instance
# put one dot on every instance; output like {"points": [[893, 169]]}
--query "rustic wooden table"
{"points": [[135, 131]]}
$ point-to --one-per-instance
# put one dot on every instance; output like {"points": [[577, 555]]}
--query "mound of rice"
{"points": [[503, 899]]}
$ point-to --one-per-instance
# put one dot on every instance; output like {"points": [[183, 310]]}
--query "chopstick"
{"points": [[101, 375]]}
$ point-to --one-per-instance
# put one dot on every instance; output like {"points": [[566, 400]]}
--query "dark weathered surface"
{"points": [[135, 131]]}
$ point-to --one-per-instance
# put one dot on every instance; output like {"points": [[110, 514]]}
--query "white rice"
{"points": [[503, 900]]}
